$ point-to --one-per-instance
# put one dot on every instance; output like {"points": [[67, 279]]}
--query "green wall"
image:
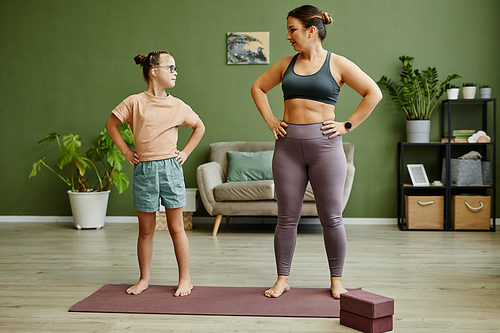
{"points": [[66, 64]]}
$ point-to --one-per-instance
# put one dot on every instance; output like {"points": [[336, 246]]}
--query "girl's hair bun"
{"points": [[140, 59], [327, 19]]}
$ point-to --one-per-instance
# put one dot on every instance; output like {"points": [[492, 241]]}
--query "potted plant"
{"points": [[452, 91], [469, 90], [88, 197], [417, 96], [485, 91]]}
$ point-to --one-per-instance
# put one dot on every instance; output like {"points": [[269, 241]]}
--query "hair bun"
{"points": [[140, 59], [327, 19]]}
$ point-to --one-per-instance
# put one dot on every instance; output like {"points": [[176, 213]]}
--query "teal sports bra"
{"points": [[320, 86]]}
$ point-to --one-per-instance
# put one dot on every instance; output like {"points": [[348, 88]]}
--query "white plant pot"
{"points": [[89, 209], [485, 92], [469, 92], [418, 131], [452, 93]]}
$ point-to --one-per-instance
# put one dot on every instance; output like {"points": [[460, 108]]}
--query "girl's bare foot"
{"points": [[184, 288], [279, 287], [336, 287], [138, 288]]}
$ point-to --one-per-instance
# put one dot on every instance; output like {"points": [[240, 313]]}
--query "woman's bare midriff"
{"points": [[305, 111]]}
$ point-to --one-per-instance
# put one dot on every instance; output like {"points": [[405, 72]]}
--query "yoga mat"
{"points": [[220, 301]]}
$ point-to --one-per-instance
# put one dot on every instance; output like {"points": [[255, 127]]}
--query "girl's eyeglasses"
{"points": [[172, 68]]}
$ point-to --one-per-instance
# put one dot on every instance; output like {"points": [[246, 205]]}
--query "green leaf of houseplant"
{"points": [[121, 181]]}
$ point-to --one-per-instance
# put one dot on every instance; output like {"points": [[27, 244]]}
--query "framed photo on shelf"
{"points": [[418, 175]]}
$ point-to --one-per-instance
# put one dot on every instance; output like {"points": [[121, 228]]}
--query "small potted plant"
{"points": [[452, 91], [88, 197], [417, 95], [485, 91], [469, 90]]}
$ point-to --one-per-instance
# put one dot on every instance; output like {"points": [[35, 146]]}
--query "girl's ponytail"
{"points": [[140, 59]]}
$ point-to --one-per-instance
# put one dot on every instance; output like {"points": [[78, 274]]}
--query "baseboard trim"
{"points": [[62, 219], [199, 219]]}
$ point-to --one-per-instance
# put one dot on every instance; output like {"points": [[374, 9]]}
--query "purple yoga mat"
{"points": [[221, 301]]}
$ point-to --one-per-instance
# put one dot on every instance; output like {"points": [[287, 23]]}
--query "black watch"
{"points": [[348, 126]]}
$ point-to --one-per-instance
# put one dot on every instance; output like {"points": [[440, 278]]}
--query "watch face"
{"points": [[348, 125]]}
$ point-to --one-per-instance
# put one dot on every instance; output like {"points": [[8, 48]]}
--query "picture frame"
{"points": [[418, 175], [247, 48]]}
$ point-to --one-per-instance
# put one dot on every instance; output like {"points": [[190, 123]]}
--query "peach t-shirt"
{"points": [[154, 122]]}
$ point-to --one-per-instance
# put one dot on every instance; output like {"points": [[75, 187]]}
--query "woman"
{"points": [[309, 140]]}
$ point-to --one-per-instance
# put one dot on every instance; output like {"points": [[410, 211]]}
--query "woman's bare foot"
{"points": [[138, 288], [336, 287], [279, 287], [184, 288]]}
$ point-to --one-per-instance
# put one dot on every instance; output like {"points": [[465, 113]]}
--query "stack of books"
{"points": [[459, 136]]}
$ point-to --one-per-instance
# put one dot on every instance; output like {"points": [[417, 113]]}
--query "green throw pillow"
{"points": [[245, 166]]}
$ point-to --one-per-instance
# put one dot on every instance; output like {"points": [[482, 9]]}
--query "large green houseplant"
{"points": [[73, 166], [417, 94]]}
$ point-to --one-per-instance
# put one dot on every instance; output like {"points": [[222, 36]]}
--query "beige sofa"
{"points": [[250, 198]]}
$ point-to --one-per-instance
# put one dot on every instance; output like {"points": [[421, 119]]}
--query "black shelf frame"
{"points": [[445, 151]]}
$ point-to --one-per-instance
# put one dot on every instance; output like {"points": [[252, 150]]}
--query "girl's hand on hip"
{"points": [[333, 129], [181, 157], [277, 126], [132, 157]]}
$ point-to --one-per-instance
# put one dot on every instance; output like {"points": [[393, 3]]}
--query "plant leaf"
{"points": [[81, 164], [49, 138], [36, 168], [72, 142], [115, 158], [121, 181]]}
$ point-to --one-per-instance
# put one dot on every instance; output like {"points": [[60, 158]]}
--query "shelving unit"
{"points": [[482, 114]]}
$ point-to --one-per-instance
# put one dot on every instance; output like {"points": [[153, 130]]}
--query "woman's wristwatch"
{"points": [[348, 126]]}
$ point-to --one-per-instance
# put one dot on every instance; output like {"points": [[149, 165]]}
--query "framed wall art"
{"points": [[247, 48]]}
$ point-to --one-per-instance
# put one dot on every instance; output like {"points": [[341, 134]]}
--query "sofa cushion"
{"points": [[246, 166], [245, 191], [308, 195]]}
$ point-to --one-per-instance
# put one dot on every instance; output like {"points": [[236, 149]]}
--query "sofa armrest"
{"points": [[208, 175]]}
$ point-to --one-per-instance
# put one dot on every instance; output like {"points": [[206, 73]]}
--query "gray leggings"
{"points": [[306, 154]]}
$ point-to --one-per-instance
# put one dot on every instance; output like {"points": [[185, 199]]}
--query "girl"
{"points": [[154, 116]]}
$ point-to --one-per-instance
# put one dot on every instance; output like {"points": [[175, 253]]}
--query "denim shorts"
{"points": [[158, 180]]}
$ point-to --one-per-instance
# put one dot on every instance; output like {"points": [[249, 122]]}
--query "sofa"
{"points": [[250, 197]]}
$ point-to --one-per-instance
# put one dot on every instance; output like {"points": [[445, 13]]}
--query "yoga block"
{"points": [[470, 212], [424, 212], [367, 304], [364, 324]]}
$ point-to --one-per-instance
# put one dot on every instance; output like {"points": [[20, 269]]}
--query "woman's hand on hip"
{"points": [[277, 126], [333, 129]]}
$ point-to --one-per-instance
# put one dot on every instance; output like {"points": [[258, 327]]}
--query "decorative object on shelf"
{"points": [[418, 175], [485, 91], [418, 93], [417, 131], [424, 212], [468, 170], [452, 91], [247, 48], [470, 212], [73, 165], [469, 90], [480, 137]]}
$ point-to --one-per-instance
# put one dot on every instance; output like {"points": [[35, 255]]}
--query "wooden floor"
{"points": [[440, 281]]}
